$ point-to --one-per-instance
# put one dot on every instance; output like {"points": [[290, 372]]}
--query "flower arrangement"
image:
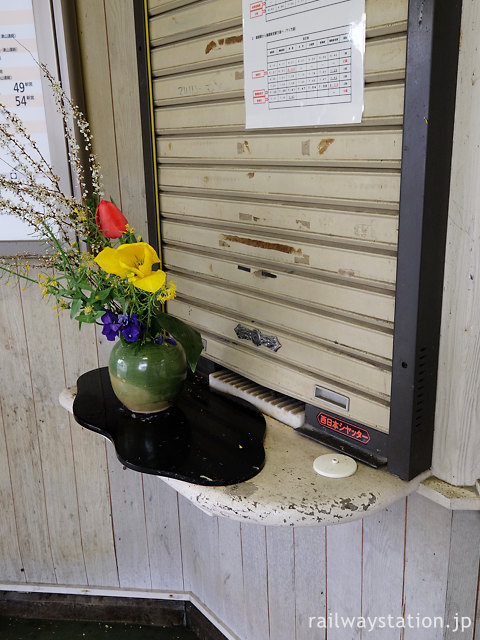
{"points": [[96, 267]]}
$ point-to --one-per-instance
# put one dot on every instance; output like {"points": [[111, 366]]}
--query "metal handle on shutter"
{"points": [[257, 337]]}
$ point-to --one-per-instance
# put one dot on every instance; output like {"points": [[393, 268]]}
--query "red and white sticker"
{"points": [[257, 9], [260, 96]]}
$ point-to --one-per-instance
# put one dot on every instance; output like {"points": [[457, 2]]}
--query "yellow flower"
{"points": [[88, 310], [134, 262], [169, 293]]}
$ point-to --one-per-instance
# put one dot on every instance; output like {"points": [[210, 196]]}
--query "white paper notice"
{"points": [[303, 62], [20, 92]]}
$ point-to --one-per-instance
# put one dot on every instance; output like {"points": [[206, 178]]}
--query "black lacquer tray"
{"points": [[206, 437]]}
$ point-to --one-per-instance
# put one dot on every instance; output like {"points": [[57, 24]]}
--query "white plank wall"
{"points": [[10, 559], [426, 566], [310, 580], [90, 465], [344, 579], [71, 517], [255, 581], [281, 582], [462, 584], [55, 442], [456, 456], [22, 442], [163, 535], [383, 555]]}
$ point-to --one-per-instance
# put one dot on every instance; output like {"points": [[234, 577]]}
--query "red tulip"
{"points": [[110, 220]]}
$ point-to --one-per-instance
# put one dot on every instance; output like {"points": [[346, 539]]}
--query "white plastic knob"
{"points": [[335, 465]]}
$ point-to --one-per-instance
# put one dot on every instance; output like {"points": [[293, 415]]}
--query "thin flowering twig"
{"points": [[116, 285]]}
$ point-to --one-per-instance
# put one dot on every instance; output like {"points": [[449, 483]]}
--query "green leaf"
{"points": [[84, 284], [188, 337], [98, 314], [76, 306], [101, 295], [82, 317]]}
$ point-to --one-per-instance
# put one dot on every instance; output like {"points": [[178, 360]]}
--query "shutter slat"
{"points": [[326, 148], [383, 17], [384, 59], [322, 362], [327, 295], [298, 383], [350, 225], [358, 340], [380, 190], [383, 105], [369, 268], [219, 83]]}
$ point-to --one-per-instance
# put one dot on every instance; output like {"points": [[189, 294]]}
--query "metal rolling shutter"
{"points": [[290, 231]]}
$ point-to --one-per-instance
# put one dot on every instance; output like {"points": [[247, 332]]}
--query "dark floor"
{"points": [[26, 629]]}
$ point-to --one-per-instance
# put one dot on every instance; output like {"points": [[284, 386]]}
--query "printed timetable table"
{"points": [[303, 62], [279, 8], [314, 68]]}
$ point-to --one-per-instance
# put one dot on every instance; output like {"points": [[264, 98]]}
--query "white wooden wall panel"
{"points": [[477, 618], [194, 19], [255, 581], [463, 575], [281, 582], [10, 559], [457, 435], [211, 49], [427, 549], [344, 579], [129, 524], [55, 442], [310, 581], [126, 111], [199, 534], [90, 462], [383, 562], [230, 569], [163, 535], [22, 443]]}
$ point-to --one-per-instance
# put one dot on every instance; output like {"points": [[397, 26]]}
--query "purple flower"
{"points": [[111, 326], [168, 340], [131, 328]]}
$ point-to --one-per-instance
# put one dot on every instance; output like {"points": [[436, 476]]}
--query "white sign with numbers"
{"points": [[303, 62], [20, 92]]}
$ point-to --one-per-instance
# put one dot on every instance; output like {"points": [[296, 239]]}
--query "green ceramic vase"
{"points": [[147, 378]]}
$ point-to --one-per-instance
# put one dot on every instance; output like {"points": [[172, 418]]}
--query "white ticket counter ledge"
{"points": [[289, 492]]}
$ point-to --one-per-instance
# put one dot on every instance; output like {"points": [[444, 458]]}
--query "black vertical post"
{"points": [[146, 114], [430, 89]]}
